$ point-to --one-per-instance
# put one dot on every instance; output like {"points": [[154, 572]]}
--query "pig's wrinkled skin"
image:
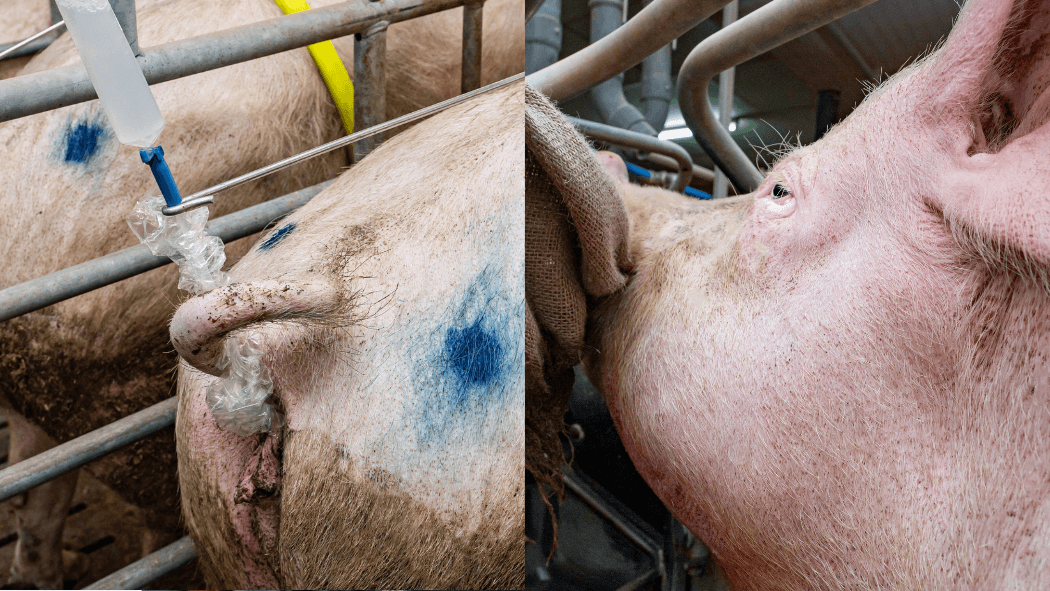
{"points": [[391, 313], [67, 185], [847, 387]]}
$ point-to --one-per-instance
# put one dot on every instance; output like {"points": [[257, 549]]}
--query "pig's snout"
{"points": [[200, 325]]}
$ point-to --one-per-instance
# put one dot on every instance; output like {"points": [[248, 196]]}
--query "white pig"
{"points": [[841, 381], [390, 313]]}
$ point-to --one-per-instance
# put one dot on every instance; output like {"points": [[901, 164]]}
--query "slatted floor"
{"points": [[101, 525]]}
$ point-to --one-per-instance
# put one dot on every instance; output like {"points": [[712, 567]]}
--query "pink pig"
{"points": [[841, 381]]}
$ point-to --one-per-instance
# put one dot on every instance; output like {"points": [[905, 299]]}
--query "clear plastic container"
{"points": [[104, 50]]}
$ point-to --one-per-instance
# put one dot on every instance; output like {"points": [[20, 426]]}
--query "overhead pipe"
{"points": [[543, 36], [772, 25], [653, 27], [640, 141], [702, 177], [606, 17], [726, 82], [657, 89]]}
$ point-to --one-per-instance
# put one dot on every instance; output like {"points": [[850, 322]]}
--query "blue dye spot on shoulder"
{"points": [[82, 142], [277, 236], [474, 356]]}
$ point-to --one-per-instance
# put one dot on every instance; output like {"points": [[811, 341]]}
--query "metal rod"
{"points": [[207, 195], [854, 52], [471, 72], [137, 574], [653, 27], [370, 85], [51, 464], [725, 101], [43, 91], [588, 496], [774, 24], [24, 45], [125, 11], [531, 8], [630, 586], [79, 279], [640, 141], [701, 176]]}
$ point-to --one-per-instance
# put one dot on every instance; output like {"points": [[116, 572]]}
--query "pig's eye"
{"points": [[780, 191]]}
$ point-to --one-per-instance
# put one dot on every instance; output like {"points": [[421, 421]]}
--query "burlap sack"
{"points": [[575, 249]]}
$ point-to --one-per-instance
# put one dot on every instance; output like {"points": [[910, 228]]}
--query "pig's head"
{"points": [[840, 380], [389, 313]]}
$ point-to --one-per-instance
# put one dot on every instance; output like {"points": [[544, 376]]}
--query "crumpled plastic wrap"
{"points": [[181, 237], [239, 401]]}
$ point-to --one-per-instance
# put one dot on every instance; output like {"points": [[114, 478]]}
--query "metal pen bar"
{"points": [[125, 11], [51, 464], [206, 196], [369, 85], [471, 72], [137, 574], [13, 50], [79, 279], [701, 176], [656, 25], [43, 91], [640, 141], [772, 25], [582, 490], [637, 583]]}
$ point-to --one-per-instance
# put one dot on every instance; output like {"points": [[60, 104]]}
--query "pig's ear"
{"points": [[576, 250], [614, 166], [956, 72], [200, 325], [992, 75]]}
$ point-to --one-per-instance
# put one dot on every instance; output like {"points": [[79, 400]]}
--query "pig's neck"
{"points": [[1003, 423]]}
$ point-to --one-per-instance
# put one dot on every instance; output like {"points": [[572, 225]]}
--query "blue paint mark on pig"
{"points": [[277, 236], [471, 363], [82, 142], [474, 355]]}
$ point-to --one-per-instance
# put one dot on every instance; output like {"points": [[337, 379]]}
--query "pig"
{"points": [[85, 362], [389, 310], [840, 380], [19, 20]]}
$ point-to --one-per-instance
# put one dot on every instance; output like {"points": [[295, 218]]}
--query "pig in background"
{"points": [[390, 309], [67, 186], [840, 381], [20, 19]]}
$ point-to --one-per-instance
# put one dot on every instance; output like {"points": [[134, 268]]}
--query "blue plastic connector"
{"points": [[637, 170], [155, 158], [643, 173]]}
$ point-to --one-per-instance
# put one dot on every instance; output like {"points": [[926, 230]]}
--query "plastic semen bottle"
{"points": [[126, 98]]}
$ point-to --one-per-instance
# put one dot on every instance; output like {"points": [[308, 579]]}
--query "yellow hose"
{"points": [[331, 67]]}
